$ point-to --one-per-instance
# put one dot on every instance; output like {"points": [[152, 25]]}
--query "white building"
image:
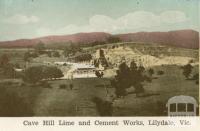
{"points": [[81, 71]]}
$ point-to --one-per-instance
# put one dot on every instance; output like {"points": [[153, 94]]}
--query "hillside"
{"points": [[117, 55], [74, 38], [180, 38]]}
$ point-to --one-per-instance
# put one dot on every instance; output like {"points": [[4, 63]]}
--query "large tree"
{"points": [[38, 73], [122, 80], [127, 77], [151, 71], [33, 74], [4, 60], [187, 69]]}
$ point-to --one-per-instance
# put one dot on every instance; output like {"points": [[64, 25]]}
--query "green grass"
{"points": [[77, 102], [170, 84]]}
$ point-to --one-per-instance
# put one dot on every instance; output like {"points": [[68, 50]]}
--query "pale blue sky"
{"points": [[29, 19]]}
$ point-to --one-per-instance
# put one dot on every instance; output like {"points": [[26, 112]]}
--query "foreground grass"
{"points": [[77, 102]]}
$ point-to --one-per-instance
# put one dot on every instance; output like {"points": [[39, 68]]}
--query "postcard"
{"points": [[99, 64]]}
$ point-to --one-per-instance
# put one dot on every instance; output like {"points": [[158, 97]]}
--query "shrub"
{"points": [[46, 85], [196, 76], [63, 86], [187, 69], [103, 107], [151, 71], [56, 54], [71, 86], [160, 72], [197, 82], [38, 73]]}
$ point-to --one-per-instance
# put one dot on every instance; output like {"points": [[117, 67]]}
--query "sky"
{"points": [[20, 19]]}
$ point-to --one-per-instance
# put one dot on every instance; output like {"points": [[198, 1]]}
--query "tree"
{"points": [[33, 74], [160, 72], [4, 60], [66, 51], [104, 108], [196, 78], [71, 49], [56, 54], [49, 54], [151, 71], [83, 57], [99, 74], [40, 47], [8, 71], [137, 77], [187, 69], [51, 73], [71, 86], [27, 57], [57, 73], [127, 77], [122, 80], [38, 73], [17, 65]]}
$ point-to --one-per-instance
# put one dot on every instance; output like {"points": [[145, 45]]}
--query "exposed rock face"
{"points": [[118, 55]]}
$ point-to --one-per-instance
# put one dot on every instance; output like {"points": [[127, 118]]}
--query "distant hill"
{"points": [[180, 38], [74, 38]]}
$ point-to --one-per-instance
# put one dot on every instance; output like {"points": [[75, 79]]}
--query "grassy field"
{"points": [[77, 102], [39, 101], [170, 84]]}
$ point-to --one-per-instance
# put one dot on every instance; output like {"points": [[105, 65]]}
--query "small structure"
{"points": [[182, 106], [61, 63], [100, 60], [18, 69], [81, 71]]}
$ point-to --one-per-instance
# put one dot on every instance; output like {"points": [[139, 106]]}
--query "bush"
{"points": [[197, 82], [196, 76], [56, 54], [38, 73], [103, 107], [46, 85], [71, 86], [63, 86], [160, 72], [151, 71], [187, 69]]}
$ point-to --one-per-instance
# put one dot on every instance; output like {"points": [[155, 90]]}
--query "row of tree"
{"points": [[38, 73]]}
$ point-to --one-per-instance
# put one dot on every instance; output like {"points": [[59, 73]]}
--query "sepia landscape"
{"points": [[98, 73]]}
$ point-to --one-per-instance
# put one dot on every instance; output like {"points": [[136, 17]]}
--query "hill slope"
{"points": [[180, 38]]}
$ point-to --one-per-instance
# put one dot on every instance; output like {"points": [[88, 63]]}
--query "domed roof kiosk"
{"points": [[182, 106]]}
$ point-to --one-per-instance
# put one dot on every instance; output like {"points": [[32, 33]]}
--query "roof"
{"points": [[82, 66], [182, 99]]}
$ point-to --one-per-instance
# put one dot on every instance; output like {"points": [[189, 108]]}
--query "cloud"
{"points": [[173, 17], [21, 19], [131, 21]]}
